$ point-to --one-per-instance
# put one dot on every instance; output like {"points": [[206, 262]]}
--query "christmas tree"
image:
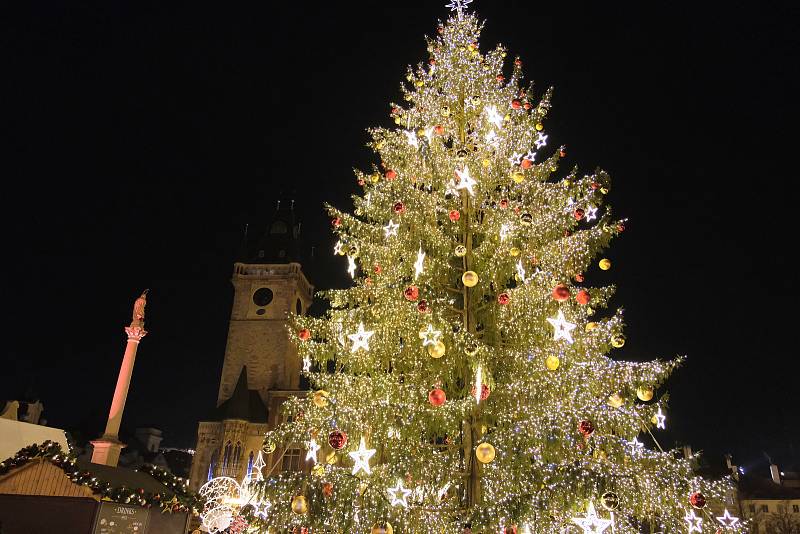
{"points": [[466, 381]]}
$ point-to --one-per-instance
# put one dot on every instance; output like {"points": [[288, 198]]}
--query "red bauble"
{"points": [[399, 207], [562, 153], [377, 269], [437, 397], [484, 391], [527, 105], [620, 227], [516, 104], [697, 500], [391, 175], [337, 222], [423, 307], [440, 29], [361, 181], [454, 215], [504, 203], [432, 61], [579, 277], [578, 214], [586, 428], [526, 164], [561, 293], [503, 298], [518, 62], [438, 129], [595, 186], [304, 334], [411, 293], [583, 297], [337, 439], [327, 489], [501, 78], [510, 530]]}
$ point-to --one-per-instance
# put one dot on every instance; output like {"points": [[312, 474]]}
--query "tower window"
{"points": [[262, 296], [298, 306], [278, 227], [291, 460]]}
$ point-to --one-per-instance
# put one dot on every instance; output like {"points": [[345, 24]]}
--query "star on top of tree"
{"points": [[591, 524], [361, 338], [459, 6]]}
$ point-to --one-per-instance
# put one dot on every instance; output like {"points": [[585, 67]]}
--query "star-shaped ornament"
{"points": [[430, 336], [361, 338], [562, 328], [465, 181], [306, 364], [591, 524], [591, 213], [311, 454], [695, 523], [459, 6], [399, 494], [418, 265], [515, 159], [635, 445], [491, 138], [351, 266], [727, 520], [530, 156], [411, 136], [660, 418], [338, 247], [390, 229], [493, 116], [540, 141], [521, 271], [361, 458]]}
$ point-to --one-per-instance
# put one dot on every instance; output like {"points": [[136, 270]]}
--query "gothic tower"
{"points": [[261, 368]]}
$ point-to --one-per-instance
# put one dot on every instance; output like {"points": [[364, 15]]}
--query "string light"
{"points": [[478, 385]]}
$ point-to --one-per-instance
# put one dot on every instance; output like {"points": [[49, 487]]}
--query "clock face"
{"points": [[262, 296]]}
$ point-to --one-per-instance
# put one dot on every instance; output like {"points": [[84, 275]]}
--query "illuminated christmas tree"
{"points": [[466, 382]]}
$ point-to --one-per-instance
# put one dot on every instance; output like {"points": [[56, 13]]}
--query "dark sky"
{"points": [[141, 136]]}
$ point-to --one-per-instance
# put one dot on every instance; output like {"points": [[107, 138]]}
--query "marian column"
{"points": [[107, 448]]}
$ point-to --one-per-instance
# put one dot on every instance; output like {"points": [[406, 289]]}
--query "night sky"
{"points": [[140, 138]]}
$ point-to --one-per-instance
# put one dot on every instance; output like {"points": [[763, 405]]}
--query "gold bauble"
{"points": [[471, 349], [379, 145], [299, 505], [382, 528], [445, 111], [318, 470], [615, 400], [518, 177], [476, 100], [552, 362], [604, 190], [539, 126], [436, 350], [419, 83], [397, 120], [486, 162], [617, 340], [605, 264], [470, 278], [590, 326], [331, 458], [485, 453], [268, 448], [320, 398], [375, 177], [461, 251], [644, 393], [507, 117], [654, 420], [421, 132], [514, 251]]}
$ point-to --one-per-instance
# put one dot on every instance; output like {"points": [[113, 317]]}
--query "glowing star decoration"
{"points": [[591, 524], [399, 494], [465, 181], [493, 116], [540, 141], [591, 213], [306, 364], [727, 520], [695, 523], [521, 272], [258, 466], [562, 328], [430, 336], [412, 138], [442, 492], [351, 266], [515, 159], [418, 265], [635, 445], [478, 385], [459, 6], [338, 247], [360, 339], [313, 447], [491, 138], [361, 458], [390, 229], [504, 231], [531, 155], [660, 418], [261, 509]]}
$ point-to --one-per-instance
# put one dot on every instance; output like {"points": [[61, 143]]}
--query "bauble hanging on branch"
{"points": [[644, 393], [469, 278], [485, 453], [437, 397], [337, 439], [561, 293], [299, 505], [610, 501], [552, 362], [436, 350], [304, 334], [583, 297], [586, 428], [411, 293], [697, 500]]}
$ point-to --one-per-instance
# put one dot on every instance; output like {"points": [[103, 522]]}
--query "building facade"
{"points": [[261, 368]]}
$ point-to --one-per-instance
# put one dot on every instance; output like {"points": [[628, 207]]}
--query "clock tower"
{"points": [[261, 368]]}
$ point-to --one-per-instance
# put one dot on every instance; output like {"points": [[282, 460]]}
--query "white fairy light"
{"points": [[694, 523], [562, 328], [361, 338], [361, 458], [541, 140], [493, 116], [418, 265], [430, 336], [465, 181], [660, 418], [306, 364], [399, 494], [411, 136], [727, 520], [351, 266], [311, 454], [521, 271], [504, 230], [390, 229], [478, 385], [591, 524]]}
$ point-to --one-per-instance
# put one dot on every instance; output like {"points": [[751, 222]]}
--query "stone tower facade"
{"points": [[261, 369]]}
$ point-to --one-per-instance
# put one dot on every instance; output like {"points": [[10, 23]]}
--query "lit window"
{"points": [[291, 460]]}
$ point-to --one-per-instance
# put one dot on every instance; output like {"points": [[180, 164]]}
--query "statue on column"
{"points": [[138, 309]]}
